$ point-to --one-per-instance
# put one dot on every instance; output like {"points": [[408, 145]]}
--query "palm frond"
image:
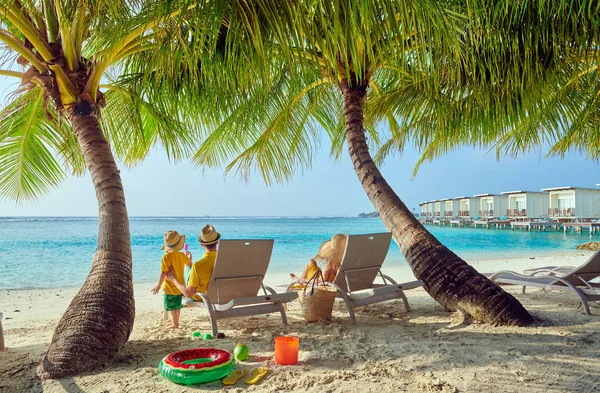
{"points": [[28, 168], [134, 126]]}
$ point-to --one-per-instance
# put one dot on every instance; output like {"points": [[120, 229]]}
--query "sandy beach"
{"points": [[424, 350]]}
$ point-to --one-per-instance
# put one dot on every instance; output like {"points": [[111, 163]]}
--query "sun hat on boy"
{"points": [[173, 241], [209, 235]]}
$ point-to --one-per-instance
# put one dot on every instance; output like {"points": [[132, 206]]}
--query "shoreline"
{"points": [[277, 277], [424, 350], [48, 303]]}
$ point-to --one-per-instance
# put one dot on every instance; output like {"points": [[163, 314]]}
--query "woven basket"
{"points": [[317, 300]]}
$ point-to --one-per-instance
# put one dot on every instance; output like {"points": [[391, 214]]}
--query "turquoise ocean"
{"points": [[45, 252]]}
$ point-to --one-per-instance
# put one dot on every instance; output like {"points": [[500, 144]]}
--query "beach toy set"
{"points": [[200, 365]]}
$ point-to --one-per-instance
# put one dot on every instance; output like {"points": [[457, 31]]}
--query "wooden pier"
{"points": [[491, 223], [541, 225], [460, 223], [578, 226], [499, 223]]}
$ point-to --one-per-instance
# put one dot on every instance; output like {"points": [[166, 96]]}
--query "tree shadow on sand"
{"points": [[425, 349]]}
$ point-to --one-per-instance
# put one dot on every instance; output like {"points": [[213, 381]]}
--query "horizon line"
{"points": [[200, 216]]}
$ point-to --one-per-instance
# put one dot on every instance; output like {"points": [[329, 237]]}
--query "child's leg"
{"points": [[175, 314]]}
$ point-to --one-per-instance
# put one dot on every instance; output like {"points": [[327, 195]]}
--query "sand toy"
{"points": [[198, 365]]}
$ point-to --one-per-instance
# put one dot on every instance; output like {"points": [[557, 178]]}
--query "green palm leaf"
{"points": [[27, 165], [134, 126]]}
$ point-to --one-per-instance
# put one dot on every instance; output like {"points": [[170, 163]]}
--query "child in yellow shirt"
{"points": [[176, 262]]}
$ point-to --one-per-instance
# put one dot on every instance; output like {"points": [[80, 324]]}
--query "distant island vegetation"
{"points": [[375, 214], [368, 215]]}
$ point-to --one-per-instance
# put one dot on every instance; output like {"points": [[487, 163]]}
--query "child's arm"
{"points": [[189, 255], [162, 277]]}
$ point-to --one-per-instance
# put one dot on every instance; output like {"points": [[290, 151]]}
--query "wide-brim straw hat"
{"points": [[333, 250], [209, 235], [173, 241]]}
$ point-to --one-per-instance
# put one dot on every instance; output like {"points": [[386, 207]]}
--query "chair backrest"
{"points": [[589, 270], [239, 269], [362, 261]]}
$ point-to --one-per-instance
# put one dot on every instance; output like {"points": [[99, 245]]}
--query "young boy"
{"points": [[175, 261]]}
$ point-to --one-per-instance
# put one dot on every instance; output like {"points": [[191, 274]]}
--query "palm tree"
{"points": [[347, 67], [321, 66], [70, 110]]}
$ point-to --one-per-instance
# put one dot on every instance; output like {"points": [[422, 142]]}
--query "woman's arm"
{"points": [[329, 271]]}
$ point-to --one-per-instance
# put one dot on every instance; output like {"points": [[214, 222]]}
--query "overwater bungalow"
{"points": [[423, 206], [573, 203], [451, 207], [439, 209], [526, 204], [468, 207], [430, 206], [492, 205]]}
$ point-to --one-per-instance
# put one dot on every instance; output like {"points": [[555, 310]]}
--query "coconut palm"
{"points": [[71, 112], [431, 71], [323, 58]]}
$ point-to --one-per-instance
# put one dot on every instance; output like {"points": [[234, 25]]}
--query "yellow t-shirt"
{"points": [[177, 260], [201, 272]]}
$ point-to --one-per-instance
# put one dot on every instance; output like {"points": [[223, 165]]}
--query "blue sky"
{"points": [[159, 188]]}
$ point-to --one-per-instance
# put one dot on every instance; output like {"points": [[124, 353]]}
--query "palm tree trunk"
{"points": [[446, 277], [100, 318]]}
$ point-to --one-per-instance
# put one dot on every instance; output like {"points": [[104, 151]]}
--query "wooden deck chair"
{"points": [[237, 279], [360, 266], [561, 278]]}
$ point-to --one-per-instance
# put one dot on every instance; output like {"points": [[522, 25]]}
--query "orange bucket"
{"points": [[286, 349]]}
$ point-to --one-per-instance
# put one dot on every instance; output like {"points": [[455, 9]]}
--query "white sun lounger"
{"points": [[560, 278], [360, 267], [237, 278]]}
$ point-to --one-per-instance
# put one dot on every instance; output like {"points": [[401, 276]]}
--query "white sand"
{"points": [[425, 350]]}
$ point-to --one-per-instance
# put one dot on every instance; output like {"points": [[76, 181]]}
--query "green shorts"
{"points": [[173, 302]]}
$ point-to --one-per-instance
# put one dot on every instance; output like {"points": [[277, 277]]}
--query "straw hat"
{"points": [[173, 241], [209, 235], [333, 250]]}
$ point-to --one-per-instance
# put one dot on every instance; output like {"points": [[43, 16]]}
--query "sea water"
{"points": [[44, 252]]}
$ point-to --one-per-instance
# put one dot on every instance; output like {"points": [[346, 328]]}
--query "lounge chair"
{"points": [[360, 267], [237, 278], [561, 278]]}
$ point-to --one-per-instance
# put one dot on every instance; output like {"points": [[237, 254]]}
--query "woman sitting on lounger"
{"points": [[331, 252]]}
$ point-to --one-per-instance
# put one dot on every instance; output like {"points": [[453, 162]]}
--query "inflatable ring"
{"points": [[197, 365]]}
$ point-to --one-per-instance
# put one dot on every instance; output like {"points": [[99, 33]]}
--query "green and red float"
{"points": [[197, 365]]}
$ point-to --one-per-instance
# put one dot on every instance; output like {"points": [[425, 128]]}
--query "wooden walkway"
{"points": [[487, 223], [460, 223], [541, 225], [578, 226]]}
